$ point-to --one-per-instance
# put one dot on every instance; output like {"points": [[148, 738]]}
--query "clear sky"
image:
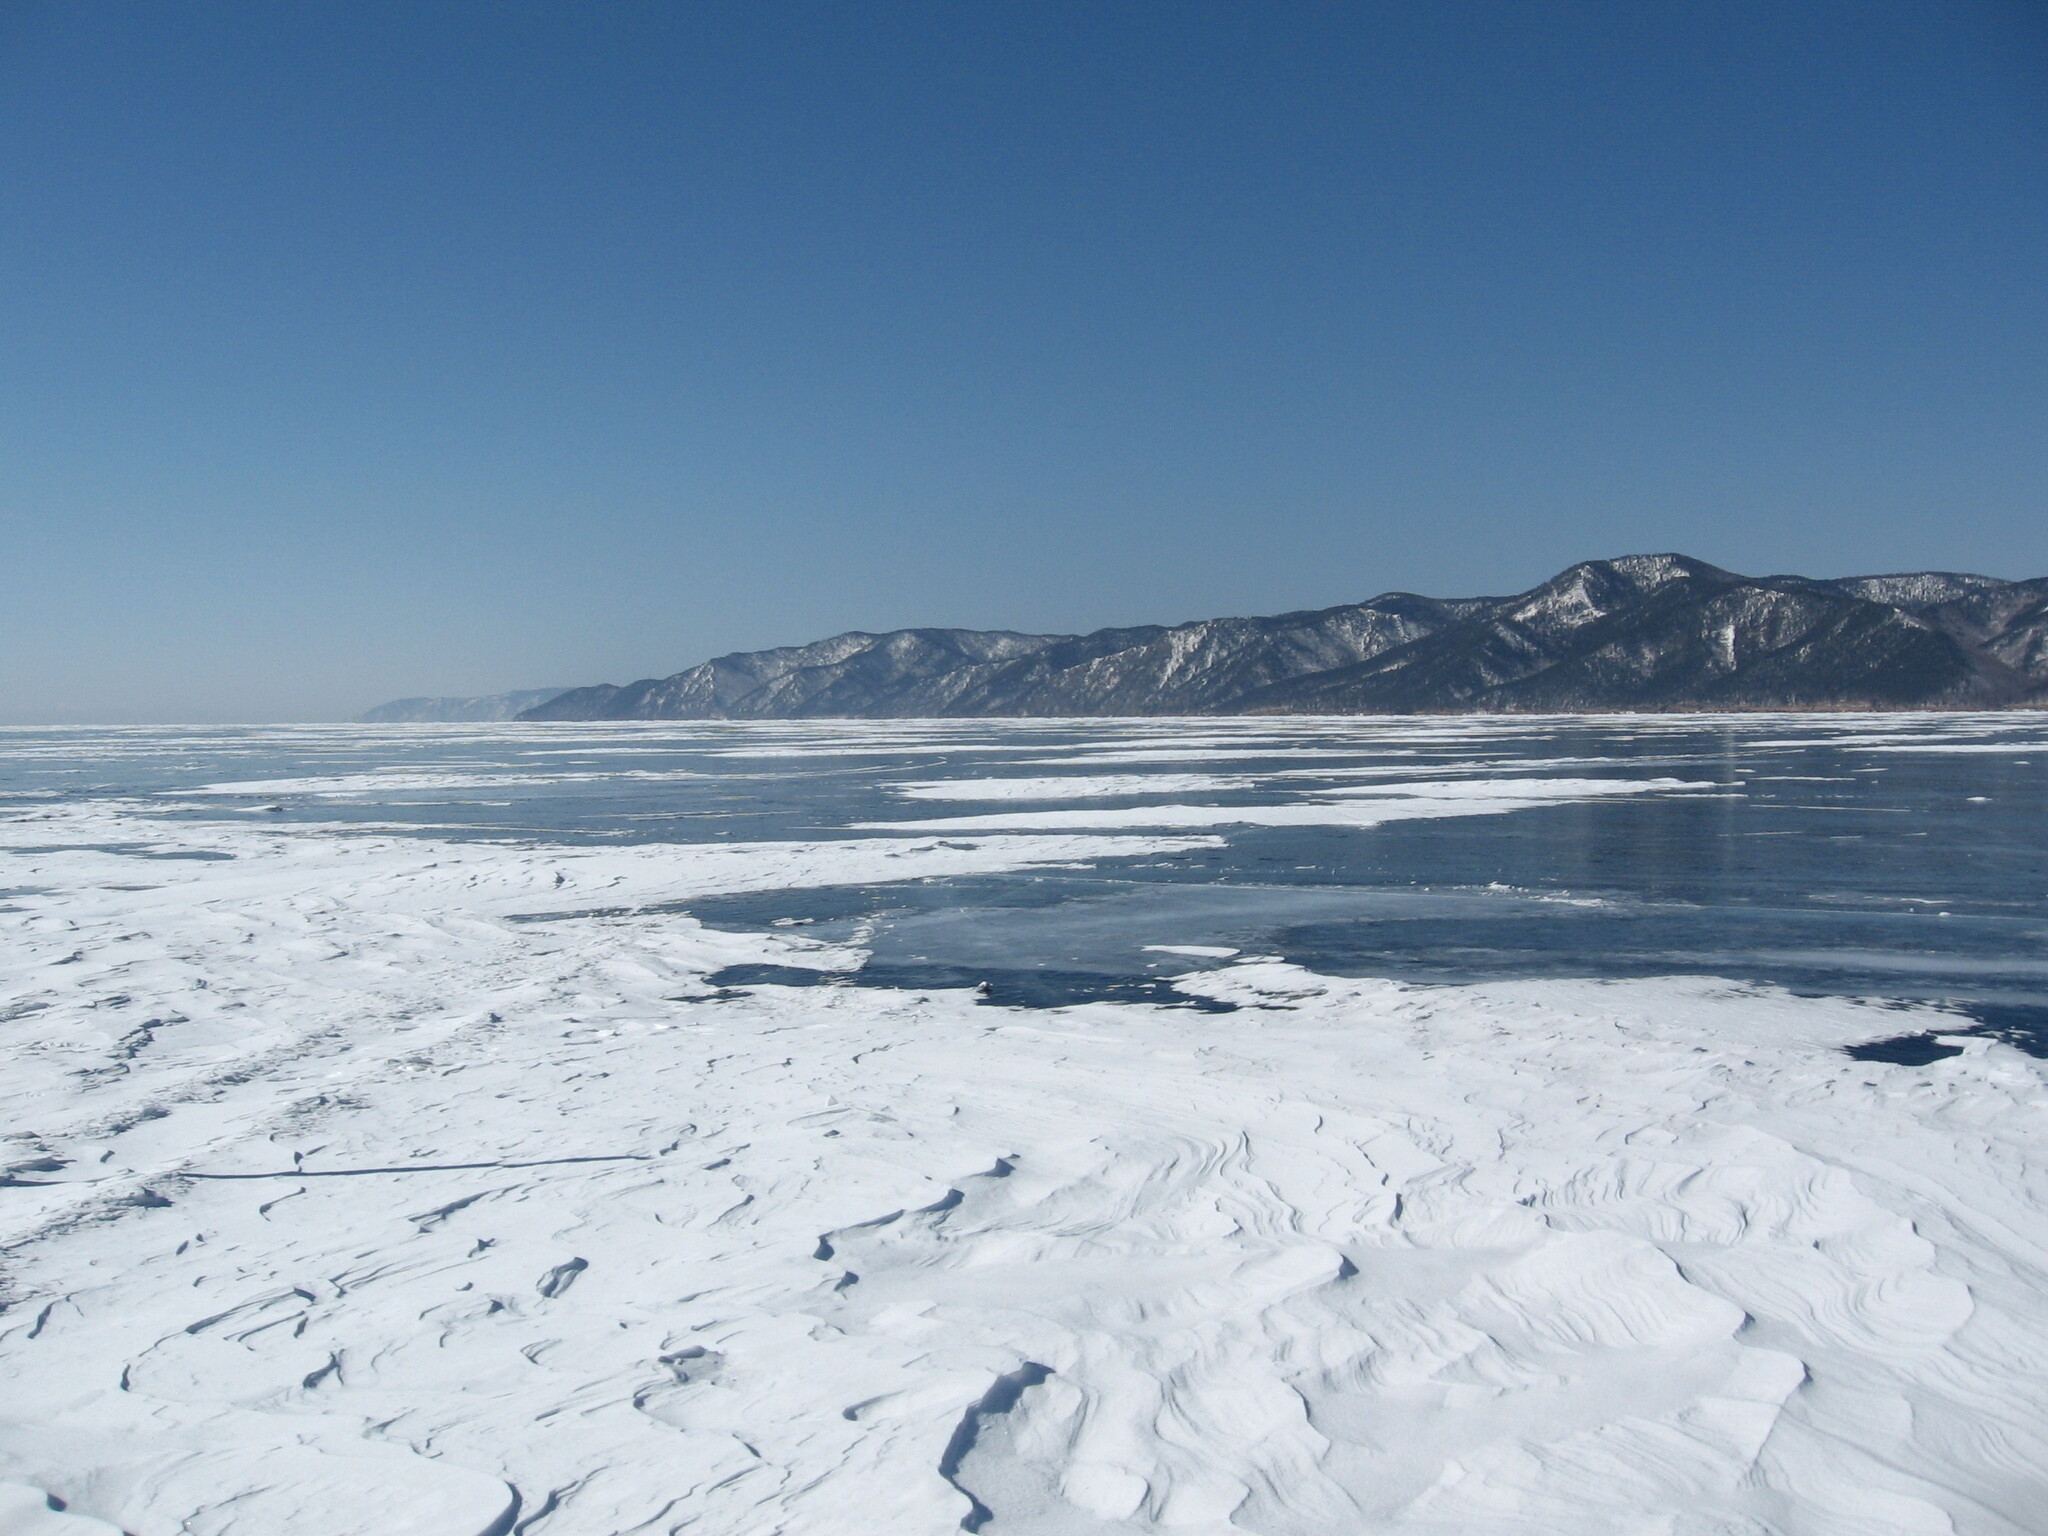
{"points": [[354, 350]]}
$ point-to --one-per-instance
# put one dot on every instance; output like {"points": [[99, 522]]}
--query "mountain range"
{"points": [[1643, 632], [488, 706]]}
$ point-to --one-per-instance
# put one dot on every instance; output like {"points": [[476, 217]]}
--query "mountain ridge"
{"points": [[473, 708], [1649, 633]]}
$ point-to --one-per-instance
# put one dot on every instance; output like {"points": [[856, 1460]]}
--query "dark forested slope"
{"points": [[1644, 632]]}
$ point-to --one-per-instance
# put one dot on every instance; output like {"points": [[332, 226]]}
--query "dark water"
{"points": [[1856, 855]]}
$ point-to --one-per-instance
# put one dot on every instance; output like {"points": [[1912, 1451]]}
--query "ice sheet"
{"points": [[385, 782], [375, 1183], [1346, 807]]}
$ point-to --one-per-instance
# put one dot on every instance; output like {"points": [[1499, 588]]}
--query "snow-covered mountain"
{"points": [[487, 706], [1641, 632]]}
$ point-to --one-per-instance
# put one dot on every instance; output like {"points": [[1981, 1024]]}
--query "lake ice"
{"points": [[1288, 1126]]}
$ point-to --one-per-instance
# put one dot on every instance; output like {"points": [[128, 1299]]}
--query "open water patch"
{"points": [[997, 987], [2024, 1026], [1905, 1050]]}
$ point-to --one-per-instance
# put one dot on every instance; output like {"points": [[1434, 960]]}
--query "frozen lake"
{"points": [[1052, 1127], [1872, 856]]}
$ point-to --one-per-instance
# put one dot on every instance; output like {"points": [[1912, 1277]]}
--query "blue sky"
{"points": [[366, 349]]}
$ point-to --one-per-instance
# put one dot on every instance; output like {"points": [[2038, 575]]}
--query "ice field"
{"points": [[1049, 1128]]}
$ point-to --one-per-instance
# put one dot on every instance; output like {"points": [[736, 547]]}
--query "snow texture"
{"points": [[361, 1183]]}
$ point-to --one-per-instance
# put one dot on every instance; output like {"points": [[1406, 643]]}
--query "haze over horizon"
{"points": [[367, 351]]}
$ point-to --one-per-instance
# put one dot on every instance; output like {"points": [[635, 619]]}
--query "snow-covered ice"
{"points": [[1073, 787], [373, 1183], [1350, 806]]}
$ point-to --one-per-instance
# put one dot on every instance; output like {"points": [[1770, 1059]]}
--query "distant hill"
{"points": [[1644, 632], [487, 706]]}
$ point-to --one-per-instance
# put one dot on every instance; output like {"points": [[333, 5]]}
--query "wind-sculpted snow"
{"points": [[359, 1182]]}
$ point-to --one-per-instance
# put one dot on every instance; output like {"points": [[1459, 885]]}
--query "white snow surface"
{"points": [[364, 1183], [1347, 806], [1072, 787]]}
